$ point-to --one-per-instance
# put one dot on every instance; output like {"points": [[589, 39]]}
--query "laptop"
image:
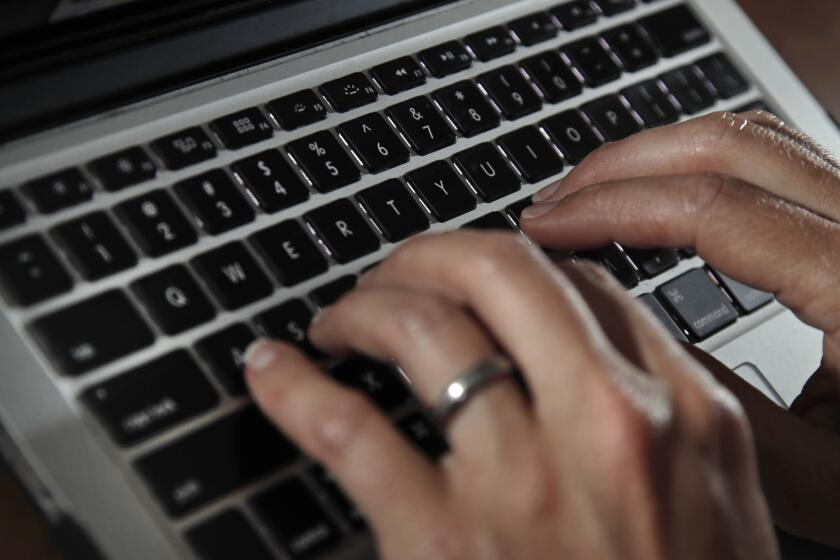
{"points": [[179, 178]]}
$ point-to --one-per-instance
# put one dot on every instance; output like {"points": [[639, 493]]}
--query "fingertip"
{"points": [[536, 211], [261, 355]]}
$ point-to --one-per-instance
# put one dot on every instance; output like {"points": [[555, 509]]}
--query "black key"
{"points": [[611, 258], [58, 191], [690, 89], [613, 7], [756, 106], [156, 224], [233, 275], [95, 246], [344, 231], [294, 516], [491, 43], [573, 15], [123, 169], [349, 92], [337, 497], [374, 142], [330, 293], [532, 154], [533, 28], [593, 61], [652, 104], [443, 192], [271, 181], [224, 353], [699, 303], [424, 435], [748, 298], [225, 536], [174, 300], [298, 109], [632, 47], [572, 134], [649, 301], [487, 171], [676, 30], [448, 58], [394, 210], [553, 76], [289, 322], [83, 336], [515, 209], [422, 125], [243, 128], [184, 148], [152, 398], [11, 210], [399, 75], [30, 272], [468, 108], [511, 92], [216, 202], [326, 163], [612, 118], [378, 381], [653, 262], [291, 253], [494, 221], [215, 460], [727, 80]]}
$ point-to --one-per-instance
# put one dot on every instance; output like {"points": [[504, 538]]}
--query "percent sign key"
{"points": [[326, 163]]}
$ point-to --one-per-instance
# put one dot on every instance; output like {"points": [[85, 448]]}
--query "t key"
{"points": [[468, 108], [375, 143], [421, 123], [324, 161]]}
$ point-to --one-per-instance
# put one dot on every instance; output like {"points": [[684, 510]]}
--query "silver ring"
{"points": [[457, 393]]}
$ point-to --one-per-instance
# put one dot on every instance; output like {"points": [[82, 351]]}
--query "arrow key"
{"points": [[399, 75]]}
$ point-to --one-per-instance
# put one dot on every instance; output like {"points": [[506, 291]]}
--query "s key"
{"points": [[327, 164]]}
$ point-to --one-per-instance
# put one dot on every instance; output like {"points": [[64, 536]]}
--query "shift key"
{"points": [[699, 303]]}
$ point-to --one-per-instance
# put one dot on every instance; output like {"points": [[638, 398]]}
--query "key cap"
{"points": [[699, 303], [271, 181], [374, 142], [487, 171], [511, 92], [690, 89], [83, 337], [344, 231], [11, 210], [649, 301], [156, 224], [422, 125], [574, 15], [184, 148], [533, 28], [225, 536], [443, 192], [379, 382], [552, 76], [727, 80], [613, 7], [515, 209], [448, 58], [291, 254], [572, 134], [337, 497], [123, 169], [242, 128], [58, 191], [532, 154], [330, 293], [593, 61], [216, 203], [150, 399], [289, 322], [298, 109], [394, 210], [494, 221], [468, 108], [224, 354], [653, 262], [676, 30], [94, 246], [174, 300], [349, 92], [611, 258], [748, 298], [217, 459], [491, 43], [632, 47], [324, 161], [424, 435], [232, 275], [296, 519], [30, 272], [612, 118], [651, 103], [399, 75]]}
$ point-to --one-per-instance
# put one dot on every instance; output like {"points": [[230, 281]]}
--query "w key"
{"points": [[375, 143], [216, 202], [324, 161], [233, 275], [95, 246]]}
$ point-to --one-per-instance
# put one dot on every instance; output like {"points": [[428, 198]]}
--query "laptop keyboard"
{"points": [[305, 513]]}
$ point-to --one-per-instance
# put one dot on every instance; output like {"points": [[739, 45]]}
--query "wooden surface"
{"points": [[806, 33]]}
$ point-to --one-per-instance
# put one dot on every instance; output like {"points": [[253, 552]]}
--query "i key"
{"points": [[612, 118], [326, 163], [553, 76], [376, 144], [233, 275], [215, 201], [468, 108], [344, 231], [511, 92], [487, 171], [442, 190], [30, 272], [532, 154], [271, 181], [95, 246], [574, 136], [174, 300], [156, 224], [422, 125]]}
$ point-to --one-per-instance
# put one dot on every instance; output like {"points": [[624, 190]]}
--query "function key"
{"points": [[394, 210], [58, 191], [123, 169], [271, 181], [653, 262], [233, 276], [30, 272], [511, 92], [174, 300], [442, 190], [593, 61], [399, 75], [448, 58], [216, 203], [613, 7], [184, 148], [533, 29], [553, 76], [651, 104], [649, 301], [298, 109], [225, 536], [156, 224], [748, 298], [572, 134], [535, 158], [224, 353], [349, 92], [376, 144], [614, 261], [422, 125], [487, 171], [11, 210], [243, 128], [612, 118], [378, 381], [690, 89], [344, 231], [95, 246], [631, 46], [699, 303], [576, 14], [291, 254], [468, 108], [723, 75], [325, 162], [491, 43], [289, 322], [494, 221], [676, 30], [331, 292]]}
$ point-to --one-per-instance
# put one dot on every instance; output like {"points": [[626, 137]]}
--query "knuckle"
{"points": [[722, 427], [418, 316], [337, 423], [493, 253]]}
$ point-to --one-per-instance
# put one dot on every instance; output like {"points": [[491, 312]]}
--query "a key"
{"points": [[58, 191], [422, 125], [271, 181], [337, 497], [378, 381], [349, 92], [224, 354], [651, 104], [83, 336], [343, 230], [748, 298], [653, 262], [676, 30], [649, 301], [632, 47], [143, 402], [515, 209], [491, 43], [494, 221], [11, 210], [612, 118], [448, 58], [174, 300], [552, 76], [572, 134], [511, 92], [727, 80], [394, 210], [290, 252], [487, 171], [612, 259], [156, 224], [184, 148], [533, 28], [593, 61], [699, 303], [531, 153], [298, 109], [123, 169], [425, 435], [216, 202], [324, 161], [94, 246], [442, 190], [574, 15], [613, 7], [690, 89], [217, 459], [30, 272], [399, 75], [233, 276], [468, 108], [242, 128], [374, 142], [333, 291], [289, 322], [227, 535]]}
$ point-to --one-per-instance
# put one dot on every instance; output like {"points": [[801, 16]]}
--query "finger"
{"points": [[769, 120]]}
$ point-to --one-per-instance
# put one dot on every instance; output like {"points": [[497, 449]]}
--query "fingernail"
{"points": [[319, 316], [260, 355], [546, 192], [537, 210]]}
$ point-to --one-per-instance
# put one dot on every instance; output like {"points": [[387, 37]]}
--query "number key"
{"points": [[466, 105], [324, 161], [95, 246], [375, 143], [511, 92], [271, 181], [30, 272], [11, 211], [421, 123], [215, 201], [156, 224]]}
